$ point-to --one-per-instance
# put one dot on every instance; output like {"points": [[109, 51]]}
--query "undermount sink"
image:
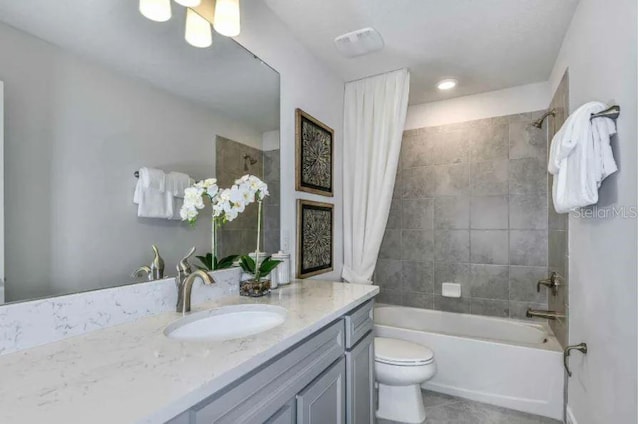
{"points": [[226, 323]]}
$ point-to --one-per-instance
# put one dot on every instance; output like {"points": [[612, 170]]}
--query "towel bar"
{"points": [[612, 113], [136, 174]]}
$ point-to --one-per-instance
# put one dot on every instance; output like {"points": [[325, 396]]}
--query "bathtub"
{"points": [[504, 362]]}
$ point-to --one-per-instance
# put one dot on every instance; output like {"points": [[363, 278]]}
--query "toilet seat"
{"points": [[401, 352]]}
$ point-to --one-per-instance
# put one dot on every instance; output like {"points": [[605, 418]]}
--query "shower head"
{"points": [[538, 122], [249, 160]]}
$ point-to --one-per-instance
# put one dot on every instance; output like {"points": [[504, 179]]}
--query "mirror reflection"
{"points": [[94, 97]]}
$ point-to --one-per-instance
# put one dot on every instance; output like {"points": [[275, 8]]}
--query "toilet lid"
{"points": [[401, 352]]}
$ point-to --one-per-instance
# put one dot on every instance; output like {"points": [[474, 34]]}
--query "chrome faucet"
{"points": [[153, 272], [184, 267], [552, 315], [143, 270], [553, 282], [185, 280], [185, 286]]}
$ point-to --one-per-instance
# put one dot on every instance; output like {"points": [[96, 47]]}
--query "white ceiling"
{"points": [[485, 44], [225, 78]]}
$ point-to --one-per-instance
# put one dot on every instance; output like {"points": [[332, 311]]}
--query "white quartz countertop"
{"points": [[132, 373]]}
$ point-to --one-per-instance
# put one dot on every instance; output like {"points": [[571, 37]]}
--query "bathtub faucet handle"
{"points": [[553, 282], [582, 347]]}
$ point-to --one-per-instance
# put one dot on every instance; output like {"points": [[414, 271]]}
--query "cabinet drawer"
{"points": [[358, 323], [260, 395]]}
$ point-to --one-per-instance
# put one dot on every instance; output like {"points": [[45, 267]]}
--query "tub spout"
{"points": [[553, 315]]}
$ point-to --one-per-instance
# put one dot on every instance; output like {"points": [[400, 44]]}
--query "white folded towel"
{"points": [[580, 158], [175, 184], [150, 195], [152, 178]]}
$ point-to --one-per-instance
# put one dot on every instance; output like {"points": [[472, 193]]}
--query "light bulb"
{"points": [[156, 10], [226, 19], [197, 30], [189, 3], [447, 84]]}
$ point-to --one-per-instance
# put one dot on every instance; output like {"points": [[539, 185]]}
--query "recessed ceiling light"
{"points": [[447, 84]]}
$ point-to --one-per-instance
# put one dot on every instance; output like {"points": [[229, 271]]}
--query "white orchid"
{"points": [[254, 186], [236, 196], [226, 203], [188, 214], [212, 191], [193, 198]]}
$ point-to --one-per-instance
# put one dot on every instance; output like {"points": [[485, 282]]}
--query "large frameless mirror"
{"points": [[93, 96]]}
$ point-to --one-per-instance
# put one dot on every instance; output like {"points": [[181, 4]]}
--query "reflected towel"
{"points": [[150, 195], [175, 184]]}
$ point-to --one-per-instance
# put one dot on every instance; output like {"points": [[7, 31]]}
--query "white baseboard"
{"points": [[571, 419]]}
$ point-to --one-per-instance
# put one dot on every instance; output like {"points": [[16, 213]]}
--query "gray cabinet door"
{"points": [[360, 380], [323, 400], [285, 415]]}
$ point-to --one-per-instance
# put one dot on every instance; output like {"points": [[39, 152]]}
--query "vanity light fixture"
{"points": [[197, 30], [226, 19], [447, 84], [156, 10], [224, 15]]}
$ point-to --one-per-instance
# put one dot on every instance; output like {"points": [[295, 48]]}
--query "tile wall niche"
{"points": [[558, 224], [470, 207]]}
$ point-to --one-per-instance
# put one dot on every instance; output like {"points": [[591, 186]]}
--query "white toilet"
{"points": [[401, 367]]}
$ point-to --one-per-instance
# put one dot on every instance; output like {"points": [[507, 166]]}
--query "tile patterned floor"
{"points": [[445, 409]]}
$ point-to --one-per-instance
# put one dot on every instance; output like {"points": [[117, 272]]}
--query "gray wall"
{"points": [[469, 206], [603, 250], [75, 133]]}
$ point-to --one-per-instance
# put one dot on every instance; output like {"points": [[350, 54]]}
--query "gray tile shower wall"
{"points": [[239, 235], [469, 206], [272, 203], [558, 224]]}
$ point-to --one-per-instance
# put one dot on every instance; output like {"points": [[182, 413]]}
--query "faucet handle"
{"points": [[553, 282], [184, 267], [157, 265]]}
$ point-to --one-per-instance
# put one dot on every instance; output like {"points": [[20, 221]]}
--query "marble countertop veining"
{"points": [[132, 373]]}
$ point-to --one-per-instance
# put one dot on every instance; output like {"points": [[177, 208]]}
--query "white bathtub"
{"points": [[514, 364]]}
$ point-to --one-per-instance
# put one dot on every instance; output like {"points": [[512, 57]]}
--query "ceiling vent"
{"points": [[360, 42]]}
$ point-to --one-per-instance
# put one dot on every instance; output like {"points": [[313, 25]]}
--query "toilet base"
{"points": [[401, 403]]}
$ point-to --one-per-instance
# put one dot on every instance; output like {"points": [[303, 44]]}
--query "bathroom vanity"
{"points": [[322, 378], [317, 366]]}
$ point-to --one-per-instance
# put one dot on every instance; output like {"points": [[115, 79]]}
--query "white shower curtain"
{"points": [[375, 109]]}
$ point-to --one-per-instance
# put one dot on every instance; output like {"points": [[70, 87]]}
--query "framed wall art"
{"points": [[315, 238], [314, 155]]}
